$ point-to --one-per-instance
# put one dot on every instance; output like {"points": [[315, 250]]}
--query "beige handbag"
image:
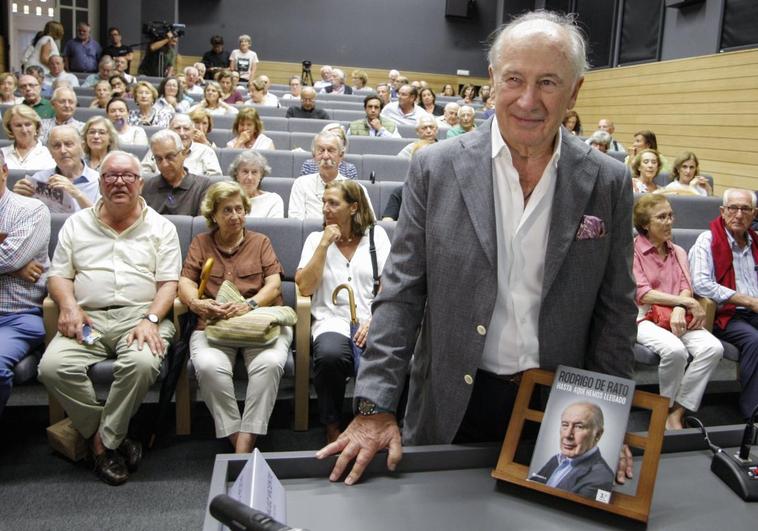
{"points": [[256, 328]]}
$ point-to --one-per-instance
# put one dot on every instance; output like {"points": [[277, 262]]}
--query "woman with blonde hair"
{"points": [[645, 168], [212, 102], [99, 138], [147, 113], [45, 45], [248, 131], [203, 121], [686, 178], [8, 86], [22, 125]]}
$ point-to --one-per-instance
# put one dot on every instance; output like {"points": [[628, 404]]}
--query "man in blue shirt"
{"points": [[82, 53]]}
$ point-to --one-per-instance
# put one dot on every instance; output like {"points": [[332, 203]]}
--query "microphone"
{"points": [[372, 177], [240, 517]]}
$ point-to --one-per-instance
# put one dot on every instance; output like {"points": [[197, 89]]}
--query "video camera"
{"points": [[158, 29]]}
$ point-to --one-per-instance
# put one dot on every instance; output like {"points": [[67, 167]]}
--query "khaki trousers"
{"points": [[63, 371]]}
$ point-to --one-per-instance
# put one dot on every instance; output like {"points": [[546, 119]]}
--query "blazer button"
{"points": [[481, 330], [468, 379]]}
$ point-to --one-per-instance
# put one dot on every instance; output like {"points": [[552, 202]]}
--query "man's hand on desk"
{"points": [[365, 436]]}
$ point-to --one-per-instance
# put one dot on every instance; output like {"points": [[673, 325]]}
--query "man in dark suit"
{"points": [[578, 467], [512, 251]]}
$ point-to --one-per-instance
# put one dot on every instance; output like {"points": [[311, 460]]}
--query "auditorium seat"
{"points": [[279, 160], [378, 146], [385, 167], [265, 111], [279, 185], [275, 123], [138, 150], [341, 115], [85, 113], [303, 141], [85, 101], [307, 125]]}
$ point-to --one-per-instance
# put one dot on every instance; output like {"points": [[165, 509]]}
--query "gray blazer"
{"points": [[439, 284]]}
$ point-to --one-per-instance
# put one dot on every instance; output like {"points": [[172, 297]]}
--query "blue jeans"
{"points": [[19, 333]]}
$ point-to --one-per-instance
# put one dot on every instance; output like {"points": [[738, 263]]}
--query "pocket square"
{"points": [[591, 228]]}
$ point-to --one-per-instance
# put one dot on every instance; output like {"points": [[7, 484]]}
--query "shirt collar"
{"points": [[733, 242], [574, 461], [646, 247], [88, 174], [498, 144], [185, 183]]}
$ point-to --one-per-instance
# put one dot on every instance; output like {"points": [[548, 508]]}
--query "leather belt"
{"points": [[513, 379]]}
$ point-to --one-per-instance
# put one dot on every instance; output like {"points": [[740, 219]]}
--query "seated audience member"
{"points": [[645, 168], [174, 190], [248, 169], [326, 78], [203, 122], [450, 117], [105, 69], [118, 114], [8, 85], [572, 122], [248, 131], [338, 84], [119, 87], [38, 73], [429, 102], [171, 96], [103, 94], [236, 252], [447, 90], [468, 95], [716, 258], [99, 138], [25, 230], [426, 130], [22, 125], [345, 168], [663, 279], [466, 122], [360, 79], [348, 220], [296, 86], [200, 66], [307, 108], [404, 110], [600, 140], [259, 94], [686, 178], [383, 91], [31, 90], [229, 92], [244, 60], [579, 466], [392, 210], [645, 139], [192, 81], [489, 106], [199, 159], [64, 103], [607, 125], [82, 53], [215, 59], [212, 102], [393, 82], [484, 94], [70, 174], [58, 72], [121, 67], [124, 300], [147, 112], [307, 190], [374, 124], [235, 79]]}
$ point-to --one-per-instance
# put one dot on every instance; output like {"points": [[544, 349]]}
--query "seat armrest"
{"points": [[709, 306], [302, 359], [50, 313]]}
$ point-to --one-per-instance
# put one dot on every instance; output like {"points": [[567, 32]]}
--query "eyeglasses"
{"points": [[128, 178], [97, 132], [664, 217], [744, 209]]}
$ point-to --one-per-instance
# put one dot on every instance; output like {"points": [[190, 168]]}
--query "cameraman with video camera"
{"points": [[160, 56]]}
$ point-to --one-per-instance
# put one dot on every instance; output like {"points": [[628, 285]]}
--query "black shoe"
{"points": [[110, 467], [131, 451]]}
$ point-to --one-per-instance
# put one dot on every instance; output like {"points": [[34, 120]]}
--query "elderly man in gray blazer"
{"points": [[512, 251]]}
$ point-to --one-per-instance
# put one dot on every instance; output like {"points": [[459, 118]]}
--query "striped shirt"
{"points": [[704, 274], [26, 224]]}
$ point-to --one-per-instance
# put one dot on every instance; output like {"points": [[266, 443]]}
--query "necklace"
{"points": [[229, 250]]}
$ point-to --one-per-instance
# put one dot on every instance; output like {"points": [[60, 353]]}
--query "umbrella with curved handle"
{"points": [[354, 324], [204, 276]]}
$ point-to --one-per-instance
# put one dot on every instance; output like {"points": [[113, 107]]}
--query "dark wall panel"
{"points": [[402, 34], [596, 18], [640, 31]]}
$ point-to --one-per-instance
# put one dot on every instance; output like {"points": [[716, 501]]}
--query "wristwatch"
{"points": [[252, 303], [366, 408], [152, 318]]}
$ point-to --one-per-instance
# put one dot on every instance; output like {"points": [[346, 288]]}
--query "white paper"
{"points": [[258, 487], [57, 201]]}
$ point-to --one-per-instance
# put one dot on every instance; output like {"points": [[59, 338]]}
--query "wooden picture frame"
{"points": [[635, 507]]}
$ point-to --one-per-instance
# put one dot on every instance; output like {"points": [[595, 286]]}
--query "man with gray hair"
{"points": [[71, 185], [64, 103], [104, 70], [114, 276], [338, 85], [450, 117], [56, 72], [174, 190], [307, 190], [604, 124], [24, 237], [723, 263], [200, 159], [192, 81], [326, 78], [600, 140], [541, 223]]}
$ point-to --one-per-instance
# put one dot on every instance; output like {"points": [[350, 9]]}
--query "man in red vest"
{"points": [[724, 266]]}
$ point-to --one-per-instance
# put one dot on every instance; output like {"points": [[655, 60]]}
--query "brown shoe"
{"points": [[110, 467], [131, 451]]}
